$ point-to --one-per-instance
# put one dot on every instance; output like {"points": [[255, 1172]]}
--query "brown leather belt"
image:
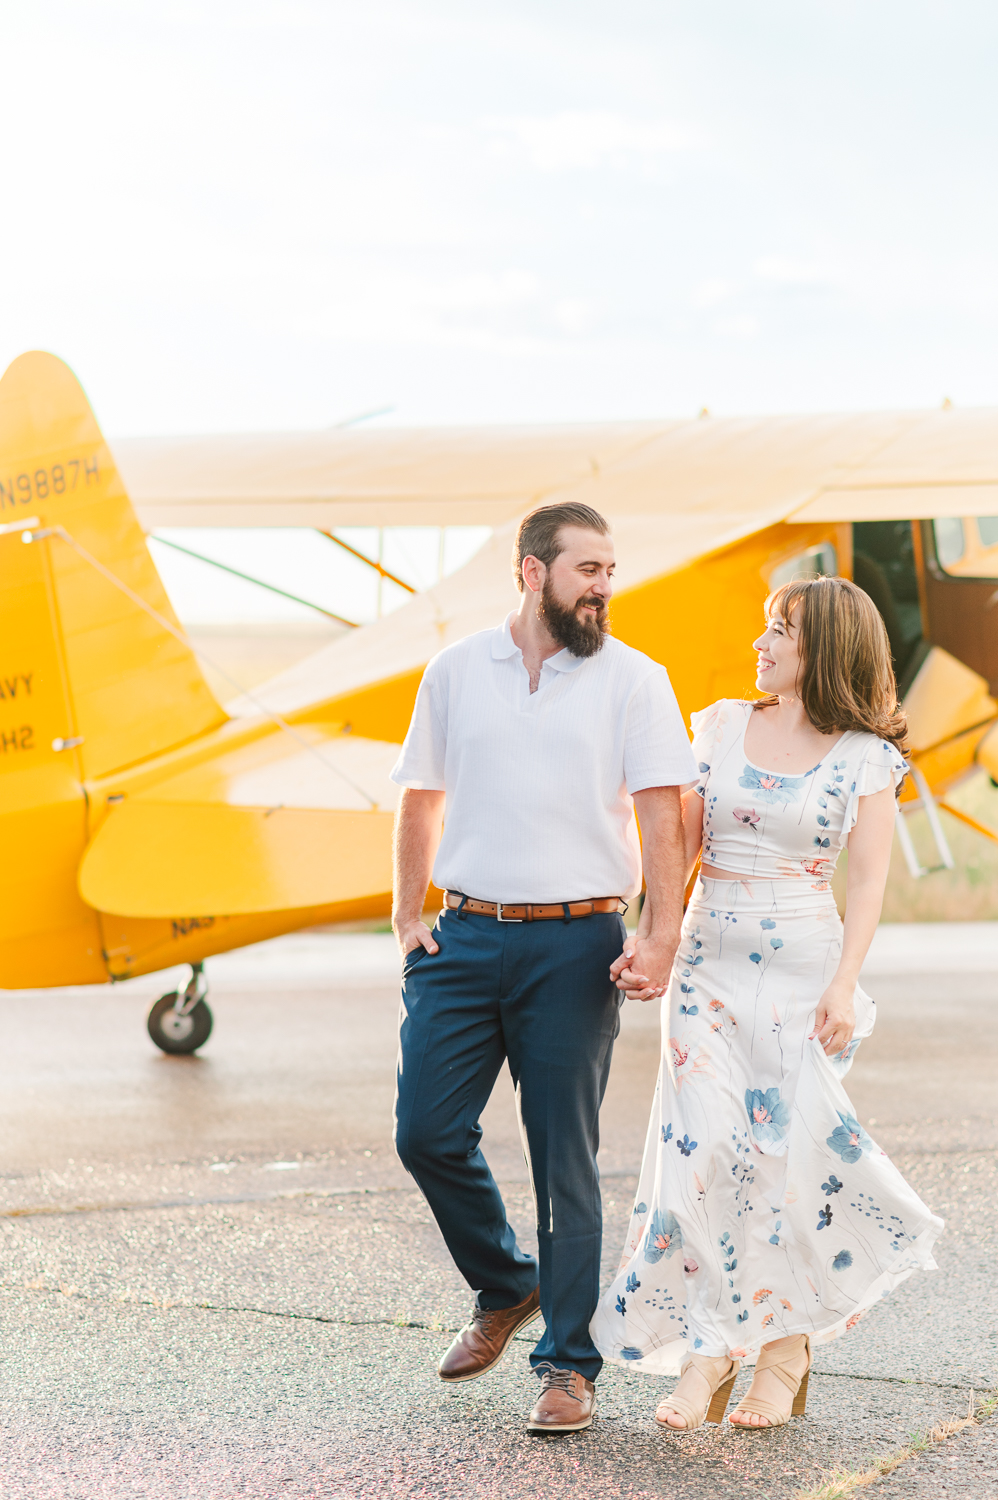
{"points": [[506, 911]]}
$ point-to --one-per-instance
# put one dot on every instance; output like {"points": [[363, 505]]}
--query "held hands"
{"points": [[643, 969], [835, 1017], [413, 933]]}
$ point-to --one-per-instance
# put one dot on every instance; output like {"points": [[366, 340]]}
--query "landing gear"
{"points": [[181, 1021]]}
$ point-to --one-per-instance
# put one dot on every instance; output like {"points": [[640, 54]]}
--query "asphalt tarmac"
{"points": [[217, 1280]]}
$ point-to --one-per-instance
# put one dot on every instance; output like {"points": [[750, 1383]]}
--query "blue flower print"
{"points": [[824, 1216], [833, 787], [771, 788], [641, 1208], [769, 1115], [686, 1145], [666, 1134], [849, 1139], [703, 767], [664, 1236], [631, 1353], [767, 924], [622, 1307], [833, 1185], [842, 1261], [631, 1284]]}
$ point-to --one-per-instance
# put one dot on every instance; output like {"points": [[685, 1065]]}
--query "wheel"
{"points": [[176, 1033]]}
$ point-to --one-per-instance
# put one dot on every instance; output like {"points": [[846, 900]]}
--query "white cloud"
{"points": [[575, 315], [744, 326], [712, 291], [785, 270], [574, 139]]}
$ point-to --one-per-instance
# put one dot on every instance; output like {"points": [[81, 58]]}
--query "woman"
{"points": [[766, 1219]]}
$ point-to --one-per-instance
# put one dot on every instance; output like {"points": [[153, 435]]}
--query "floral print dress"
{"points": [[764, 1209]]}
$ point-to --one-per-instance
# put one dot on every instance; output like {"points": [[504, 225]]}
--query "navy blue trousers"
{"points": [[539, 995]]}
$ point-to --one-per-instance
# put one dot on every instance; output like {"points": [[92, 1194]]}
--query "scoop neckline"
{"points": [[785, 775]]}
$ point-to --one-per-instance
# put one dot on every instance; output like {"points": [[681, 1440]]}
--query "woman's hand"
{"points": [[643, 970], [835, 1017]]}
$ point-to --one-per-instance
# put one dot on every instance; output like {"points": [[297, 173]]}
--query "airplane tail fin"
{"points": [[123, 686], [90, 680]]}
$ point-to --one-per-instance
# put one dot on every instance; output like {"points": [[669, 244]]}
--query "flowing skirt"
{"points": [[764, 1209]]}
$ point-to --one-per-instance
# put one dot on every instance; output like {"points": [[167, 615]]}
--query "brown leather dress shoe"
{"points": [[567, 1402], [482, 1343]]}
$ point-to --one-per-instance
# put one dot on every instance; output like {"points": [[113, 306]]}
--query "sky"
{"points": [[274, 214], [254, 215], [307, 566]]}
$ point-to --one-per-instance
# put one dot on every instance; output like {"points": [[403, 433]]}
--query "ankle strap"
{"points": [[774, 1360]]}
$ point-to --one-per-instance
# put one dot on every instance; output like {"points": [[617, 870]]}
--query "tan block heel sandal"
{"points": [[717, 1401], [775, 1360]]}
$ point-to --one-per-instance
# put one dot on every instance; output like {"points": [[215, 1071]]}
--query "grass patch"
{"points": [[841, 1484], [967, 893]]}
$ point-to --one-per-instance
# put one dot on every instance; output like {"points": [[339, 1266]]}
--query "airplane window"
{"points": [[967, 548], [822, 560], [949, 539]]}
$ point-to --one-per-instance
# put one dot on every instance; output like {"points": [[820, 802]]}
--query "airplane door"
{"points": [[958, 580]]}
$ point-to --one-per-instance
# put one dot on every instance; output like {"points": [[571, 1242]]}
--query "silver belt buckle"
{"points": [[501, 918]]}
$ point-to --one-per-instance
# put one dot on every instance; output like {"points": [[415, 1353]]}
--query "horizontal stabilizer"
{"points": [[167, 859], [283, 822]]}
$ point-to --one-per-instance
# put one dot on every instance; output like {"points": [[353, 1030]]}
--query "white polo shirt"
{"points": [[539, 785]]}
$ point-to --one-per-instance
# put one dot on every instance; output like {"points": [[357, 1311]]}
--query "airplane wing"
{"points": [[382, 477], [873, 466]]}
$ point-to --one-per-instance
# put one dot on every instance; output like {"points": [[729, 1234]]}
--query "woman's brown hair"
{"points": [[846, 679]]}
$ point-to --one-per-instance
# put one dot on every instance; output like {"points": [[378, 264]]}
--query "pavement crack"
{"points": [[842, 1484], [167, 1304], [53, 1210], [938, 1385]]}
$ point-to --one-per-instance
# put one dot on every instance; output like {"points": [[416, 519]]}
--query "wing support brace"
{"points": [[927, 802]]}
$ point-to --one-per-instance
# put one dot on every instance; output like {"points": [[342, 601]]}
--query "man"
{"points": [[536, 736]]}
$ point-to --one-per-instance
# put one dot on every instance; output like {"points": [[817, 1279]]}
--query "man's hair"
{"points": [[539, 534]]}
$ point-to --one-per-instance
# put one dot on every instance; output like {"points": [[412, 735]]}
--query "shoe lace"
{"points": [[555, 1379], [481, 1317]]}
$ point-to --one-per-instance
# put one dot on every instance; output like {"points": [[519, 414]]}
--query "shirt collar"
{"points": [[504, 646]]}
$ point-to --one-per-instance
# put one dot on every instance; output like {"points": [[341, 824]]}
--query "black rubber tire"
{"points": [[178, 1034]]}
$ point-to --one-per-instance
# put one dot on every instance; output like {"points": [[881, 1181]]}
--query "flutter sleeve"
{"points": [[706, 726], [882, 765]]}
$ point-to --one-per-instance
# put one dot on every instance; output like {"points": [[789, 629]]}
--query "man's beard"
{"points": [[583, 637]]}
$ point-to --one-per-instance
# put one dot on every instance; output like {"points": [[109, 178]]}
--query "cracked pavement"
{"points": [[216, 1279]]}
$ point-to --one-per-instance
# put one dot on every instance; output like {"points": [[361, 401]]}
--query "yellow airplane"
{"points": [[148, 826]]}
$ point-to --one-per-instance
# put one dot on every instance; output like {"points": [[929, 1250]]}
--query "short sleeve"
{"points": [[706, 726], [656, 749], [882, 765], [421, 763]]}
